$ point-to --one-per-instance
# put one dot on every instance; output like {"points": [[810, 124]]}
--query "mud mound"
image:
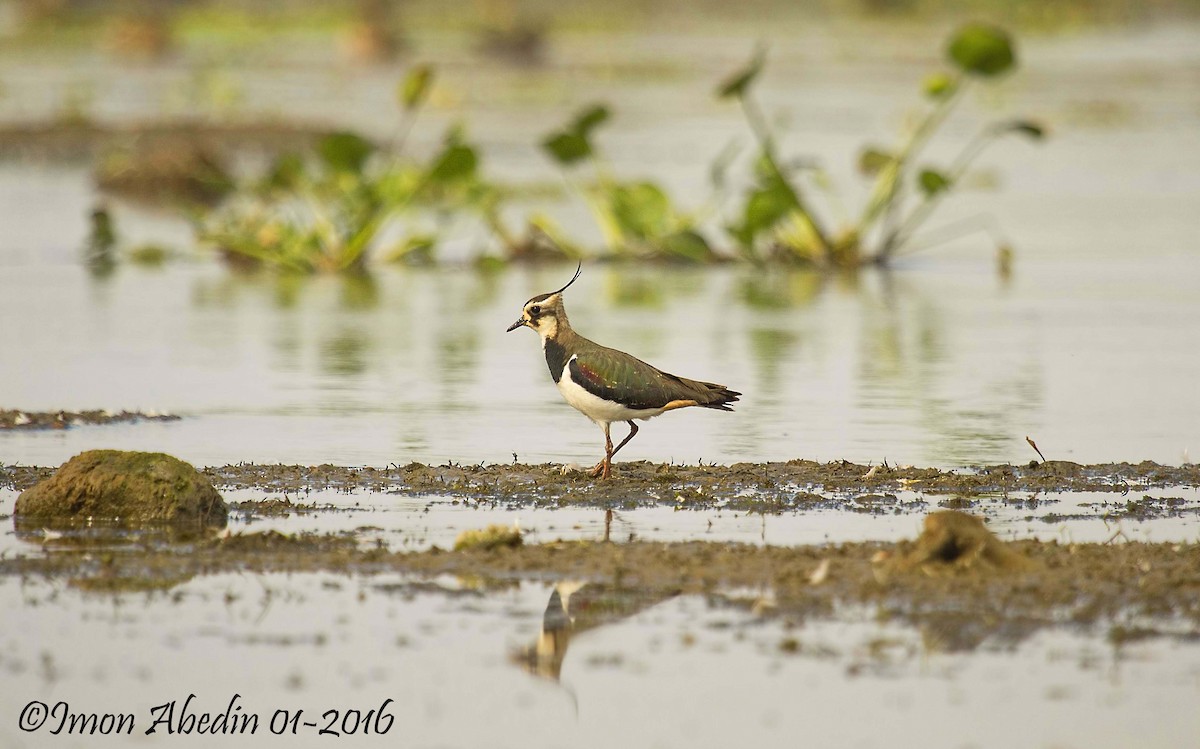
{"points": [[954, 541], [123, 486]]}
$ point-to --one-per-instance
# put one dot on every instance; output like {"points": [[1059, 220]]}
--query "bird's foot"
{"points": [[603, 470]]}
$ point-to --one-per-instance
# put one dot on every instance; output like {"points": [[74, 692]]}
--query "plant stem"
{"points": [[762, 131], [924, 210], [890, 186]]}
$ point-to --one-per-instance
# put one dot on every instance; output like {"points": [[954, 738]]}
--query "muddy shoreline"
{"points": [[751, 487], [1122, 591], [13, 419]]}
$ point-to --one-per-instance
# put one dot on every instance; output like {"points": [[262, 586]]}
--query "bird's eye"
{"points": [[535, 310]]}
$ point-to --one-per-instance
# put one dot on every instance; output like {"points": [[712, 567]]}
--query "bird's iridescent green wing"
{"points": [[616, 376]]}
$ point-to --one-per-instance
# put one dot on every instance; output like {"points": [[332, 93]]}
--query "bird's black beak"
{"points": [[514, 326]]}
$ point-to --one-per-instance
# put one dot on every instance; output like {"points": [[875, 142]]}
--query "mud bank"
{"points": [[749, 487], [1122, 591], [69, 140], [15, 419], [795, 483]]}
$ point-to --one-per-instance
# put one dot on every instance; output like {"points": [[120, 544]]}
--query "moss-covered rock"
{"points": [[127, 486]]}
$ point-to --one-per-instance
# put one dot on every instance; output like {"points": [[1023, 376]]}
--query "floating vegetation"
{"points": [[778, 220], [326, 211], [344, 201], [636, 217]]}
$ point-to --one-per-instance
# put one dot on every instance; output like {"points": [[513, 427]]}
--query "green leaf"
{"points": [[345, 151], [687, 245], [939, 85], [417, 248], [567, 147], [765, 207], [1031, 130], [573, 143], [457, 162], [415, 86], [589, 118], [873, 160], [641, 209], [933, 182], [736, 85], [982, 49], [286, 172]]}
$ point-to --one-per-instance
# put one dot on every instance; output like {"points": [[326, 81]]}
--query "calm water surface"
{"points": [[940, 363], [680, 672], [1091, 347]]}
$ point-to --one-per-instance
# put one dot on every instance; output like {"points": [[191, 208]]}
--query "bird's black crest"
{"points": [[578, 271], [544, 297]]}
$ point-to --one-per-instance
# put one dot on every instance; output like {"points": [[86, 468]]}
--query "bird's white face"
{"points": [[541, 314]]}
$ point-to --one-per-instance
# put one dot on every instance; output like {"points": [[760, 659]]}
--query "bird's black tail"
{"points": [[719, 397]]}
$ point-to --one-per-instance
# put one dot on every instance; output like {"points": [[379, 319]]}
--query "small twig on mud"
{"points": [[1118, 534], [1035, 448]]}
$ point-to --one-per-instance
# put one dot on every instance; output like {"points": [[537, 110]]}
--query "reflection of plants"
{"points": [[77, 104], [327, 211], [777, 218], [636, 217]]}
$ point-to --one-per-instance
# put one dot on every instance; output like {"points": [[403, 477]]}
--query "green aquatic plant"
{"points": [[777, 219], [635, 217], [313, 216], [327, 210]]}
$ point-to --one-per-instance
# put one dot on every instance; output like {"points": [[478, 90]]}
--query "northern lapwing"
{"points": [[607, 385]]}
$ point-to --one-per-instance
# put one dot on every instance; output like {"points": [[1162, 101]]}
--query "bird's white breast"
{"points": [[595, 408]]}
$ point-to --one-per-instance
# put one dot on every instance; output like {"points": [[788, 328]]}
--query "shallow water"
{"points": [[1089, 348], [681, 672], [937, 365]]}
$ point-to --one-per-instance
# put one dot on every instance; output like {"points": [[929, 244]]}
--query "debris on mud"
{"points": [[491, 537], [15, 419], [122, 486], [276, 507], [775, 487], [954, 541]]}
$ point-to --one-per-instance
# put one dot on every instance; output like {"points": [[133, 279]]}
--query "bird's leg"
{"points": [[603, 469], [633, 429]]}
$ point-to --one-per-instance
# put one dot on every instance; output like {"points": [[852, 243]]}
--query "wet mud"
{"points": [[956, 582], [31, 420], [779, 485], [768, 488]]}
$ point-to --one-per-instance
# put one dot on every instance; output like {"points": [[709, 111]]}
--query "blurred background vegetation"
{"points": [[327, 189]]}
